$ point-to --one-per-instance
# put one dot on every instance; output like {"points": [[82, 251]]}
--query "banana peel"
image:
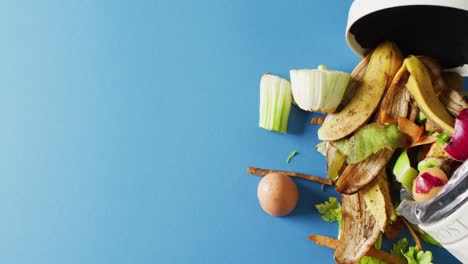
{"points": [[395, 104], [379, 202], [446, 86], [335, 161], [359, 230], [420, 86], [356, 77], [435, 72], [454, 102], [385, 61], [375, 202]]}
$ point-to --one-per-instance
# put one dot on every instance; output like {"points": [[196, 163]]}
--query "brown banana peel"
{"points": [[359, 231], [446, 86], [379, 202], [356, 78], [454, 102], [357, 176], [385, 61], [420, 86]]}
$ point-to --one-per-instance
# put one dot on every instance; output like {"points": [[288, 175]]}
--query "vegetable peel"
{"points": [[385, 61]]}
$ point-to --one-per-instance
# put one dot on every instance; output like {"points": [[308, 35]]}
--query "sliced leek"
{"points": [[318, 90], [275, 103]]}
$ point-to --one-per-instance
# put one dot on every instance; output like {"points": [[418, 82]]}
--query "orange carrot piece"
{"points": [[424, 140], [317, 120], [385, 118], [410, 128], [373, 252]]}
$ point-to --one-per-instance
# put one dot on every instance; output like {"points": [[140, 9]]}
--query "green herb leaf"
{"points": [[414, 256], [378, 243], [371, 260], [291, 155], [400, 247], [331, 211], [421, 117], [442, 138], [432, 131], [411, 254]]}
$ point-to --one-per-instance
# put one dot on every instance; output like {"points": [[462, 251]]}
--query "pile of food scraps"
{"points": [[393, 121]]}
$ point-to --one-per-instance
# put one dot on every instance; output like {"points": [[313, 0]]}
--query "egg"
{"points": [[428, 184], [277, 194]]}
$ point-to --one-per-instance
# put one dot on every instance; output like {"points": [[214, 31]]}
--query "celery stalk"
{"points": [[275, 103]]}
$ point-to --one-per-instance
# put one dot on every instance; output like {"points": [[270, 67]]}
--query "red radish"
{"points": [[428, 184], [457, 148]]}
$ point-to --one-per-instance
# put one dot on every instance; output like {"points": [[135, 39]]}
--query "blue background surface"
{"points": [[127, 128]]}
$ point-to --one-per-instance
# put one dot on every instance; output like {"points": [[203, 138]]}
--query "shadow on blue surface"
{"points": [[309, 196], [298, 120]]}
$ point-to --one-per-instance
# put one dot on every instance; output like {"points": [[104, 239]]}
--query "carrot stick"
{"points": [[373, 252], [384, 118], [317, 120], [410, 128], [424, 140], [263, 172]]}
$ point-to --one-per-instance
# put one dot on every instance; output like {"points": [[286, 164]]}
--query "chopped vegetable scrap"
{"points": [[383, 65], [457, 148], [374, 255], [263, 172], [318, 90], [400, 252], [369, 140], [291, 155], [275, 103], [392, 114], [412, 254], [330, 210], [420, 86], [404, 173], [317, 120]]}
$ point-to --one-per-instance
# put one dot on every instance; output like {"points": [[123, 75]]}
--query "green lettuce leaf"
{"points": [[369, 140]]}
